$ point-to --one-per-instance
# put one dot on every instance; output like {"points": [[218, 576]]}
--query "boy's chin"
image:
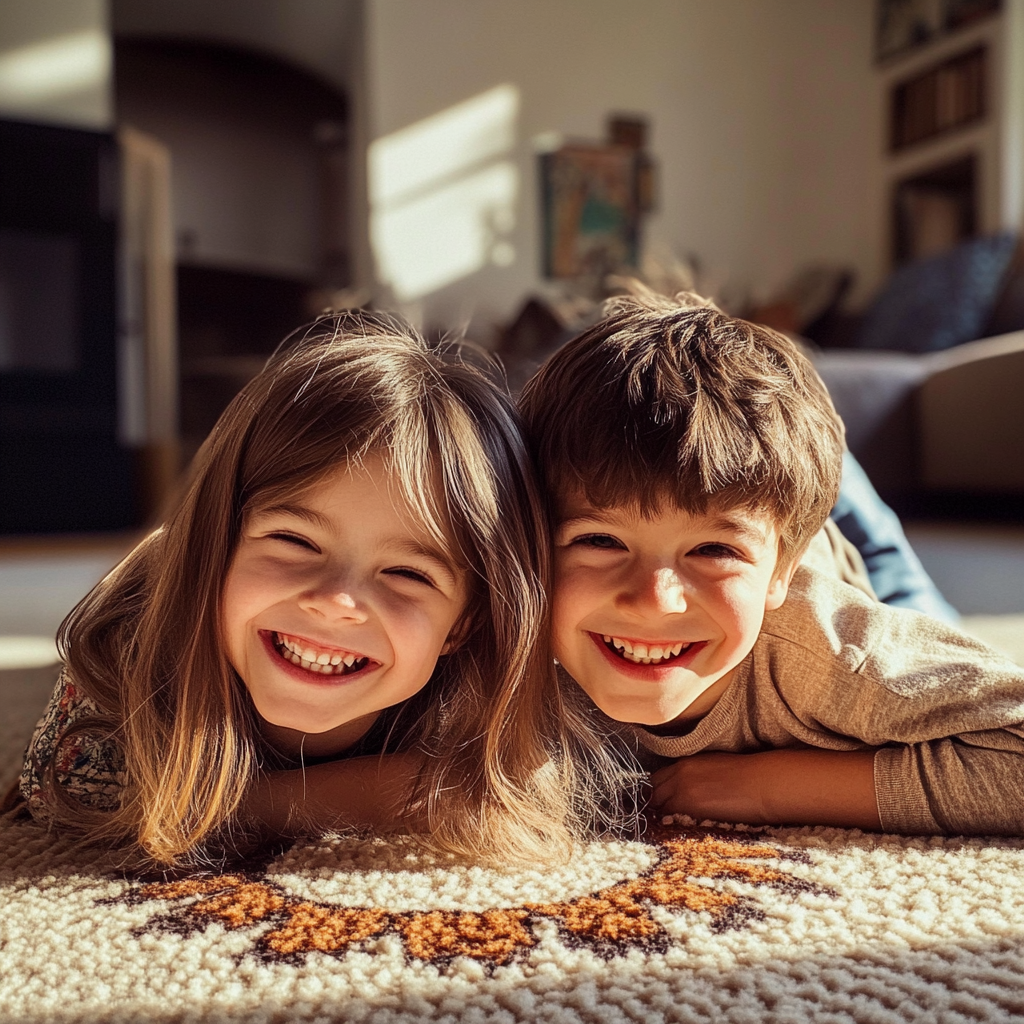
{"points": [[632, 712]]}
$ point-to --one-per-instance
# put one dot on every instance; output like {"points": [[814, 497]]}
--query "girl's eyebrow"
{"points": [[298, 512], [432, 555], [405, 545]]}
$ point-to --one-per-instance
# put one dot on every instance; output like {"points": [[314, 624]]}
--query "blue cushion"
{"points": [[941, 301]]}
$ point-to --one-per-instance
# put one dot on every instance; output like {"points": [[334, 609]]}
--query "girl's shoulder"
{"points": [[87, 763]]}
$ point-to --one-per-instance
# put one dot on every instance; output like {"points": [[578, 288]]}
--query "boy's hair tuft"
{"points": [[673, 401]]}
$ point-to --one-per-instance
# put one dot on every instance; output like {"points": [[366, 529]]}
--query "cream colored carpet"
{"points": [[783, 925]]}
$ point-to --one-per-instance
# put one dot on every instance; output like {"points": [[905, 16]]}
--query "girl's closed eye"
{"points": [[416, 575], [294, 540]]}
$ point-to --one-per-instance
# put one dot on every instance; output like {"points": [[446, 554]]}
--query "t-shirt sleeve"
{"points": [[945, 710], [88, 765]]}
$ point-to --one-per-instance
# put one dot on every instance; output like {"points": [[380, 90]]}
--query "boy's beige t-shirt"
{"points": [[836, 670]]}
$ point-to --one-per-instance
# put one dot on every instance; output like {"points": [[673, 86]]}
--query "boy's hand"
{"points": [[802, 786]]}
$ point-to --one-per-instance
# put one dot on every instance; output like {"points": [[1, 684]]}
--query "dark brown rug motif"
{"points": [[610, 921]]}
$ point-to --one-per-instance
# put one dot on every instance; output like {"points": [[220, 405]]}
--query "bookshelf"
{"points": [[943, 98], [951, 159]]}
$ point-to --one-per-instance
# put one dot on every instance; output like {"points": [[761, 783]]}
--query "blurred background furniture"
{"points": [[929, 379]]}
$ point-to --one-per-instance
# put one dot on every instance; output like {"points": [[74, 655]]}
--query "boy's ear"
{"points": [[778, 589]]}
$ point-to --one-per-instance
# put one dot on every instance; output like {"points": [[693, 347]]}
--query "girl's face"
{"points": [[336, 606]]}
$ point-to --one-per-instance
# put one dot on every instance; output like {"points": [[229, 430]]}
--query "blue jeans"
{"points": [[896, 573]]}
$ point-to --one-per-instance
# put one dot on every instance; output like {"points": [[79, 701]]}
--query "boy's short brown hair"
{"points": [[674, 401]]}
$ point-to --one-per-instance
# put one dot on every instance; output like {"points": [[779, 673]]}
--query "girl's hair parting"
{"points": [[145, 644]]}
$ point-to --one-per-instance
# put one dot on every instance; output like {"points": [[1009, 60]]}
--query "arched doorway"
{"points": [[259, 155]]}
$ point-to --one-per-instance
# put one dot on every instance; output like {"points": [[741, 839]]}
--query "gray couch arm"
{"points": [[971, 417], [874, 393]]}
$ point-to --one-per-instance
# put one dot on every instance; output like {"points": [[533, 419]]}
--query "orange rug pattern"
{"points": [[610, 921]]}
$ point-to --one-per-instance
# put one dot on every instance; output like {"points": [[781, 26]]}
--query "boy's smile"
{"points": [[651, 615]]}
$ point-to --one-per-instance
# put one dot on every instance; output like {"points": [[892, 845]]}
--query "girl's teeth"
{"points": [[312, 661]]}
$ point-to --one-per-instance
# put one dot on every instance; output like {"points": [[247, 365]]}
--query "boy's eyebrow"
{"points": [[592, 516], [746, 530]]}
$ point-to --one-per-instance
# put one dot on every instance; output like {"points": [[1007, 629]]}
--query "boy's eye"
{"points": [[599, 540], [716, 551]]}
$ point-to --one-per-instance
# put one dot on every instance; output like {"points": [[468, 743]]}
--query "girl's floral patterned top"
{"points": [[88, 767]]}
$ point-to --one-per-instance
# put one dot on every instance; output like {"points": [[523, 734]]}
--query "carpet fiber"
{"points": [[695, 924], [780, 925]]}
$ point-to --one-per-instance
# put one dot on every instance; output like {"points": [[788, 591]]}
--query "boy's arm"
{"points": [[804, 786], [362, 792]]}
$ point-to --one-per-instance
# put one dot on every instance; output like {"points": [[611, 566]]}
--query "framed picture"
{"points": [[591, 210], [901, 25]]}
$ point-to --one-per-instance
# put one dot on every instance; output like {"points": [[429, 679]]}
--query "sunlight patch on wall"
{"points": [[443, 193], [71, 63]]}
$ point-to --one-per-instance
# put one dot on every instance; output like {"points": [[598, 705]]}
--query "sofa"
{"points": [[930, 379]]}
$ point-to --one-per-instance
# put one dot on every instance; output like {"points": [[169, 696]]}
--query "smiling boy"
{"points": [[691, 458]]}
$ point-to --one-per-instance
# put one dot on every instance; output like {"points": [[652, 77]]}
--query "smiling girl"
{"points": [[357, 567]]}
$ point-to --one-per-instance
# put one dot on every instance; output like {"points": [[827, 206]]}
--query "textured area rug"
{"points": [[693, 924]]}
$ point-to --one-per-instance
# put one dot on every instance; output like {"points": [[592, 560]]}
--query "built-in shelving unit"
{"points": [[952, 161]]}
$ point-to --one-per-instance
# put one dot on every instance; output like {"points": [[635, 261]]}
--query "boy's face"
{"points": [[651, 615]]}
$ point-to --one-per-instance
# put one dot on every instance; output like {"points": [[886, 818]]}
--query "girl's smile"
{"points": [[337, 605], [317, 662]]}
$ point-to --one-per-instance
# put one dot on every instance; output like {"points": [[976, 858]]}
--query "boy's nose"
{"points": [[658, 590]]}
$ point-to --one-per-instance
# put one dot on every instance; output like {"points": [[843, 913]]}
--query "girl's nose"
{"points": [[334, 598]]}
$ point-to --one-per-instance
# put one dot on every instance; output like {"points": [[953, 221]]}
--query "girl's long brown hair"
{"points": [[145, 644]]}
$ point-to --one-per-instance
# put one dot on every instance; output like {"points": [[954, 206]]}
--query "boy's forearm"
{"points": [[820, 787], [363, 792], [801, 786]]}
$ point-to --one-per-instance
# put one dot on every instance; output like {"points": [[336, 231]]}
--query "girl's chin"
{"points": [[300, 737]]}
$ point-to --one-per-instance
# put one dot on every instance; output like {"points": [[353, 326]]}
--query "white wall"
{"points": [[764, 113], [55, 62]]}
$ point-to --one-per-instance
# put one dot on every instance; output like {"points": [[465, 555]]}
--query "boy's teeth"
{"points": [[641, 654]]}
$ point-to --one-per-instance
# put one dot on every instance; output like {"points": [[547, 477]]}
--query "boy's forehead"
{"points": [[756, 523]]}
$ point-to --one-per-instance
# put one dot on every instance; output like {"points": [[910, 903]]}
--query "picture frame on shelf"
{"points": [[903, 25], [591, 210]]}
